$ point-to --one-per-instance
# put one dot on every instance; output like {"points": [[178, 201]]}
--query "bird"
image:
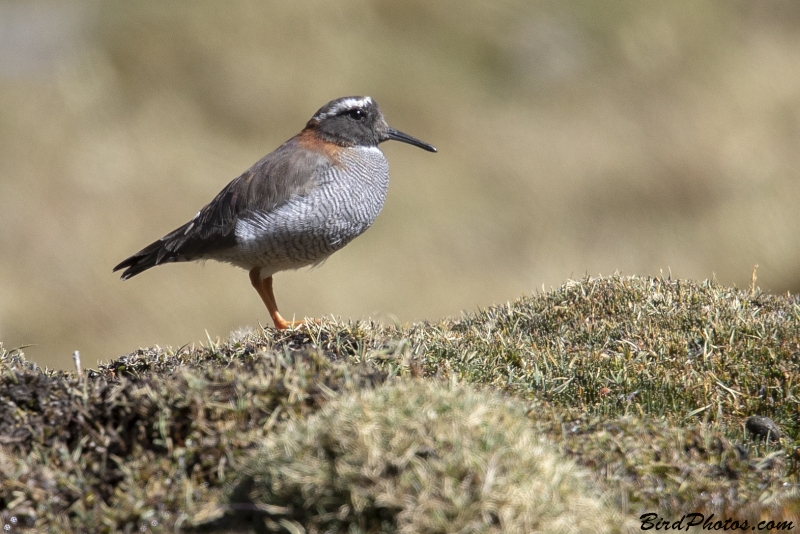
{"points": [[293, 208]]}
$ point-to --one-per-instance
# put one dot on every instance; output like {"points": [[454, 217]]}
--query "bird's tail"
{"points": [[154, 254]]}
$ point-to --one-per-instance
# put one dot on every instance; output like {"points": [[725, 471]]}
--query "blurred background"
{"points": [[574, 138]]}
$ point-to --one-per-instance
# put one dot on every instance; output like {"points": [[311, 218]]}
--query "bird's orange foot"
{"points": [[283, 324], [264, 288]]}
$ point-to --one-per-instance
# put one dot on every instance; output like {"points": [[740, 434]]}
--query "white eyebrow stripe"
{"points": [[347, 103]]}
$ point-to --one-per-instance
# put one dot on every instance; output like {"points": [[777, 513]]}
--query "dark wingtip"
{"points": [[128, 273], [137, 263]]}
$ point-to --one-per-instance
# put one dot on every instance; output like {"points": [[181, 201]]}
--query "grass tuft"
{"points": [[416, 457]]}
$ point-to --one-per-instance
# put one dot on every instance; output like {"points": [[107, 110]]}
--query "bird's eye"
{"points": [[356, 114]]}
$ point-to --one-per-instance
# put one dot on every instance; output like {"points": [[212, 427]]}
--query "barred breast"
{"points": [[308, 228]]}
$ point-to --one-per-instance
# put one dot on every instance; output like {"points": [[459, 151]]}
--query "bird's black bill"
{"points": [[393, 134]]}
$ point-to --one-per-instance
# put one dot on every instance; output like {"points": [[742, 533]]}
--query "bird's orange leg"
{"points": [[264, 288]]}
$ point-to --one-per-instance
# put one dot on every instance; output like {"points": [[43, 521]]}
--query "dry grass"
{"points": [[643, 383]]}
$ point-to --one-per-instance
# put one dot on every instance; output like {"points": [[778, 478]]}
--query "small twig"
{"points": [[76, 357], [753, 279]]}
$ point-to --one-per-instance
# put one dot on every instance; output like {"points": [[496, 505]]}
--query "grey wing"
{"points": [[287, 172]]}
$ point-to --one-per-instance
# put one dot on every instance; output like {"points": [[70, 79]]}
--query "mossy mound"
{"points": [[646, 383], [415, 457]]}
